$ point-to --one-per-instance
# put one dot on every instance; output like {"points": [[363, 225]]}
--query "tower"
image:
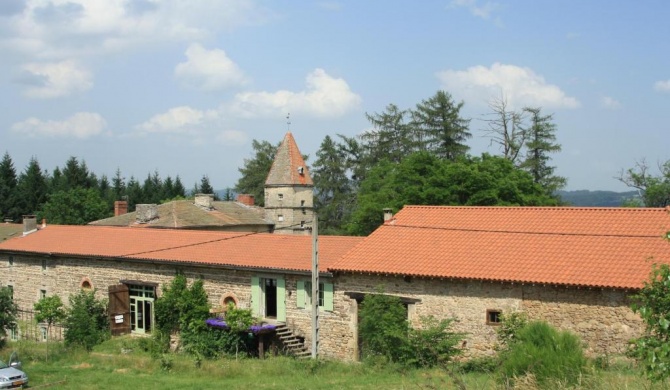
{"points": [[289, 190]]}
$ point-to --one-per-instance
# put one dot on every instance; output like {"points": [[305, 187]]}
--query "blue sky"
{"points": [[183, 87]]}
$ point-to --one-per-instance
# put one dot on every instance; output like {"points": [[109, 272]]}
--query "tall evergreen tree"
{"points": [[540, 142], [8, 183], [443, 131], [205, 187], [76, 175], [32, 188], [333, 192], [179, 190], [134, 193], [391, 138], [255, 171], [118, 185]]}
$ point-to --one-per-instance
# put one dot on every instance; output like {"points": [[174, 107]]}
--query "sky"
{"points": [[184, 86]]}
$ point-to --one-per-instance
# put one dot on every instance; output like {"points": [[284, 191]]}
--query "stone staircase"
{"points": [[292, 344]]}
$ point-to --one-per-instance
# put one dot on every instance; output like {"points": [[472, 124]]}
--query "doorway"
{"points": [[270, 294], [141, 308]]}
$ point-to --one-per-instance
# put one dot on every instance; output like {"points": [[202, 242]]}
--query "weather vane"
{"points": [[288, 121]]}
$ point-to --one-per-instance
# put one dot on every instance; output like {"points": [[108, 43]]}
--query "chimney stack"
{"points": [[204, 200], [388, 214], [120, 207], [29, 224], [246, 199], [146, 212]]}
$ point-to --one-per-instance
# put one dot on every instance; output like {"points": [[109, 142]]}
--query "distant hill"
{"points": [[596, 198]]}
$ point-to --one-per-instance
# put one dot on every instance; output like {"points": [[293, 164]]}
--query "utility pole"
{"points": [[315, 286]]}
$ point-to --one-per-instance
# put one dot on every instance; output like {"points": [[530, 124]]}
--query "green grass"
{"points": [[107, 368]]}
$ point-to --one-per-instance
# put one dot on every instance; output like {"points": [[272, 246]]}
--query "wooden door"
{"points": [[119, 309]]}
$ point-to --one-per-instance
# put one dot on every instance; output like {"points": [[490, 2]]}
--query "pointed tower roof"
{"points": [[288, 167]]}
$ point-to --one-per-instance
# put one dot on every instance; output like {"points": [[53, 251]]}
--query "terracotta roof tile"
{"points": [[253, 250], [596, 247], [285, 167]]}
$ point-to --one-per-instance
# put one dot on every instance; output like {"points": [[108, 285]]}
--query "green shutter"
{"points": [[256, 296], [328, 296], [300, 294], [281, 300]]}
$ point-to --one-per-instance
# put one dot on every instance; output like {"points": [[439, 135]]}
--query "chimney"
{"points": [[29, 224], [246, 199], [388, 214], [146, 212], [120, 207], [204, 200]]}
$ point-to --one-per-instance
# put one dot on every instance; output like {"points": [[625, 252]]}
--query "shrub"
{"points": [[652, 302], [510, 324], [383, 327], [432, 344], [8, 310], [545, 353], [388, 338], [86, 322]]}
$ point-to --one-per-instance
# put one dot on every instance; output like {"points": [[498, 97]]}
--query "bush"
{"points": [[545, 353], [432, 344], [86, 323], [388, 338]]}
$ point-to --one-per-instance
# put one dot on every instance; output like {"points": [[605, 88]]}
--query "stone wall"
{"points": [[296, 205], [602, 318]]}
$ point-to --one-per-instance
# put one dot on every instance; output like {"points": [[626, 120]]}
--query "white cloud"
{"points": [[80, 125], [178, 120], [208, 70], [521, 86], [610, 103], [324, 96], [662, 85], [480, 9], [56, 79], [57, 29], [232, 137]]}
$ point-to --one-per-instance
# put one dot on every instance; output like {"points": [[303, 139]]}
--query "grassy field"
{"points": [[108, 368]]}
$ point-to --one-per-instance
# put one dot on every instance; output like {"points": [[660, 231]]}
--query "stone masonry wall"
{"points": [[602, 318]]}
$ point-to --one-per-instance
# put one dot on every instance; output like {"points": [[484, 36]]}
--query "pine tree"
{"points": [[443, 131], [333, 192], [32, 188], [391, 138], [8, 184], [206, 188], [118, 185], [179, 190], [540, 142]]}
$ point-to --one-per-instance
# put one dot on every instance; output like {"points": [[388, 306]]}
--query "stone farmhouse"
{"points": [[573, 267]]}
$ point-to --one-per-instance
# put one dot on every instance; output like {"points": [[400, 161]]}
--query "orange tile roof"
{"points": [[284, 170], [253, 250], [597, 247]]}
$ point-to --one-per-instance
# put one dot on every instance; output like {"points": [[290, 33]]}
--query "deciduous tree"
{"points": [[49, 310], [654, 189], [77, 206], [8, 311]]}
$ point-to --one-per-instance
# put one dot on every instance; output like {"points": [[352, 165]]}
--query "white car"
{"points": [[11, 375]]}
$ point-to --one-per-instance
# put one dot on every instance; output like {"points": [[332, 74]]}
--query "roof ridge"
{"points": [[558, 208]]}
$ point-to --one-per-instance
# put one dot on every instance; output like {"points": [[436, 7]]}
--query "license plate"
{"points": [[17, 383]]}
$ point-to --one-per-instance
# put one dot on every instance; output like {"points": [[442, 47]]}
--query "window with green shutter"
{"points": [[304, 295]]}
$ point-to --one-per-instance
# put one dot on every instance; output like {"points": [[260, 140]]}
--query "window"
{"points": [[304, 295], [302, 203], [44, 264], [11, 261], [280, 218], [280, 196], [86, 285], [302, 224], [43, 331], [43, 294], [14, 334], [493, 317]]}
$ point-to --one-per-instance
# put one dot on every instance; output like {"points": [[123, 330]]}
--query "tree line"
{"points": [[75, 195], [420, 156]]}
